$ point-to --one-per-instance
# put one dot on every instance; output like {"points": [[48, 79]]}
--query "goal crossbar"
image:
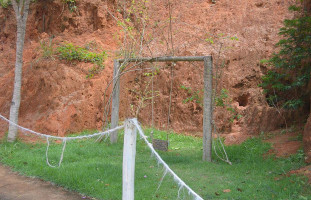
{"points": [[165, 59]]}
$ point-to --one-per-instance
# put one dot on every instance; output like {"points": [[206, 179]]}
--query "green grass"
{"points": [[95, 169]]}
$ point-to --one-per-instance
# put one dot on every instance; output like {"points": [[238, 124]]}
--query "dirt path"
{"points": [[17, 187], [286, 144]]}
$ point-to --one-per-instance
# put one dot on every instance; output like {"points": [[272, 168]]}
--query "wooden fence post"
{"points": [[207, 111], [115, 100], [129, 153]]}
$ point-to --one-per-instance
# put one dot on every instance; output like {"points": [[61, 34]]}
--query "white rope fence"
{"points": [[61, 156], [64, 139], [180, 182]]}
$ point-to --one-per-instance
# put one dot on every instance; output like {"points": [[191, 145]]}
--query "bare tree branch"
{"points": [[26, 11], [20, 6]]}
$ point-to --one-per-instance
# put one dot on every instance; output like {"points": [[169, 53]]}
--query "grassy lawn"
{"points": [[95, 169]]}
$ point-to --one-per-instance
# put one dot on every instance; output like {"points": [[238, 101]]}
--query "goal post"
{"points": [[208, 95]]}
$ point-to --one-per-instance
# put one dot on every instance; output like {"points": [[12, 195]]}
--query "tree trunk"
{"points": [[21, 9]]}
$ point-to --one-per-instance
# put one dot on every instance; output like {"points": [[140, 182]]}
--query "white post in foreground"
{"points": [[129, 153]]}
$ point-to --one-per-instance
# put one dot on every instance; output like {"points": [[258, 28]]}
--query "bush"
{"points": [[286, 83], [71, 52], [4, 3], [71, 4]]}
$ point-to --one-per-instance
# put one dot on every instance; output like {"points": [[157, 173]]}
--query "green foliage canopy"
{"points": [[286, 83]]}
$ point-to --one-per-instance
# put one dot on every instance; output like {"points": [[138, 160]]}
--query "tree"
{"points": [[286, 84], [21, 9]]}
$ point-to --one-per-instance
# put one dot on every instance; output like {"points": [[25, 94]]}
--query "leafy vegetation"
{"points": [[195, 96], [95, 169], [222, 100], [47, 49], [134, 24], [71, 4], [143, 95], [72, 52], [286, 83], [4, 3]]}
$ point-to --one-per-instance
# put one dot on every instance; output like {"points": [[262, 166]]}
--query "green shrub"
{"points": [[195, 96], [71, 52], [71, 4], [222, 98], [5, 3], [286, 83]]}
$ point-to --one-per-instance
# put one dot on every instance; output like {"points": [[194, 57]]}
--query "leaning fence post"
{"points": [[207, 109], [129, 153], [115, 100]]}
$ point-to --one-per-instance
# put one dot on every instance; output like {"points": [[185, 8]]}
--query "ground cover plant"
{"points": [[95, 169], [71, 52]]}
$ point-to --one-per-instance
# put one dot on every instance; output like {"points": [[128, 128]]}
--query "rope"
{"points": [[170, 102], [224, 152], [161, 180], [222, 145], [61, 157], [62, 138], [180, 182]]}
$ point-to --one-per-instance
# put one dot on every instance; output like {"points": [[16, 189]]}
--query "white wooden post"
{"points": [[207, 110], [115, 101], [129, 153]]}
